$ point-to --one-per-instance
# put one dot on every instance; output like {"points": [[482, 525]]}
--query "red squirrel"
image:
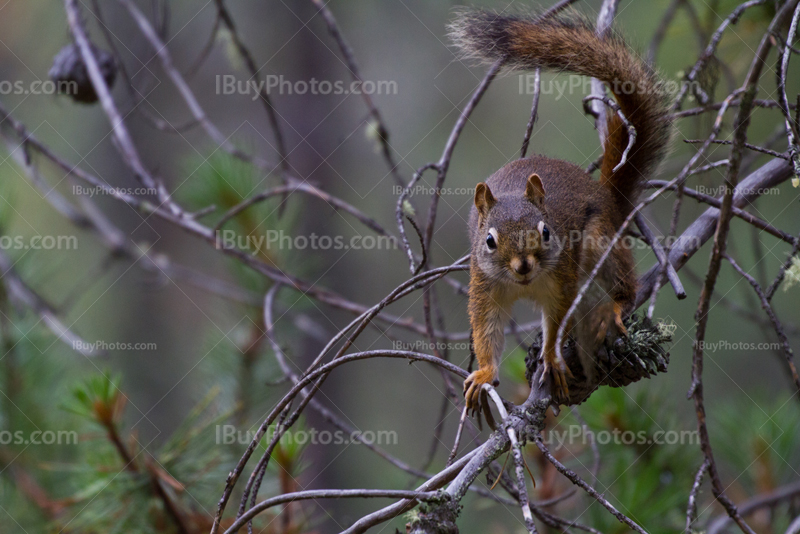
{"points": [[539, 225]]}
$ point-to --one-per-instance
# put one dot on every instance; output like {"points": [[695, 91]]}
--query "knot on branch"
{"points": [[620, 362], [435, 518], [534, 415]]}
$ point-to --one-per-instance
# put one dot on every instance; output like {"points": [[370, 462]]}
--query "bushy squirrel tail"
{"points": [[568, 42]]}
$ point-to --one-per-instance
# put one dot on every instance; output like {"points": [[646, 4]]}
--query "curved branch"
{"points": [[308, 378], [746, 216], [303, 187], [776, 323], [328, 494], [631, 130]]}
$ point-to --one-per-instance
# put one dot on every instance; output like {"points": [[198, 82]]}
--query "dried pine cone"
{"points": [[628, 359], [70, 75]]}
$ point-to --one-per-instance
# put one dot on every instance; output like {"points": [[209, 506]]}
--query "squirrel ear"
{"points": [[484, 199], [534, 190]]}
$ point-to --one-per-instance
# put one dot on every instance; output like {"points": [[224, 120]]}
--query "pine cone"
{"points": [[641, 354], [70, 75]]}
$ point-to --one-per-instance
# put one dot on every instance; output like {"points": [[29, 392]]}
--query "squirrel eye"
{"points": [[545, 233], [490, 242]]}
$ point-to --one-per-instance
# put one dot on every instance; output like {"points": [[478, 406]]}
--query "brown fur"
{"points": [[530, 198]]}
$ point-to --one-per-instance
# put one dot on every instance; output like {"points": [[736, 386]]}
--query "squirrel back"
{"points": [[569, 43]]}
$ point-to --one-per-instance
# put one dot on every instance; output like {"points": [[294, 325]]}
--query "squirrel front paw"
{"points": [[473, 386]]}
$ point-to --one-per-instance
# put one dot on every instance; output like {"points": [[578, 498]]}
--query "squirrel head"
{"points": [[514, 242]]}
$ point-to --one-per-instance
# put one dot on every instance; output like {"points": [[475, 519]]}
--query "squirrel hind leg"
{"points": [[591, 330]]}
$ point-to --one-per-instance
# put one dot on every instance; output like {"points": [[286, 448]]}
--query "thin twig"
{"points": [[575, 479], [746, 216], [457, 439], [781, 73], [691, 507], [691, 78], [658, 250], [444, 162], [558, 7], [720, 243], [776, 323], [516, 450], [773, 287], [759, 502], [19, 291], [768, 104], [537, 81], [350, 59], [244, 52], [302, 187], [402, 212], [631, 130], [746, 145], [328, 494]]}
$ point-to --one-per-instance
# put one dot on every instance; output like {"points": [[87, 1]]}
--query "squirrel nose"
{"points": [[522, 267]]}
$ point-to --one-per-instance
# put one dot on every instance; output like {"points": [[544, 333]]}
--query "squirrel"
{"points": [[539, 225]]}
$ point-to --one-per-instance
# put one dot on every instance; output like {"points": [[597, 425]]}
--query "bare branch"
{"points": [[575, 479], [244, 52], [18, 290], [776, 323], [746, 145], [761, 224], [691, 507], [701, 230], [328, 494], [631, 130], [534, 112], [352, 66], [444, 162], [783, 493], [781, 73], [661, 254]]}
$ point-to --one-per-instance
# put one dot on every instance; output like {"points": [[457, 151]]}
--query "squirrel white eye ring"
{"points": [[543, 231], [491, 240]]}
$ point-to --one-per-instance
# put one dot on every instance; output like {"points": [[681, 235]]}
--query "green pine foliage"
{"points": [[101, 476], [645, 450]]}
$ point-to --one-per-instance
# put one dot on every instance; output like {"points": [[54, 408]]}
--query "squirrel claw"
{"points": [[473, 387]]}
